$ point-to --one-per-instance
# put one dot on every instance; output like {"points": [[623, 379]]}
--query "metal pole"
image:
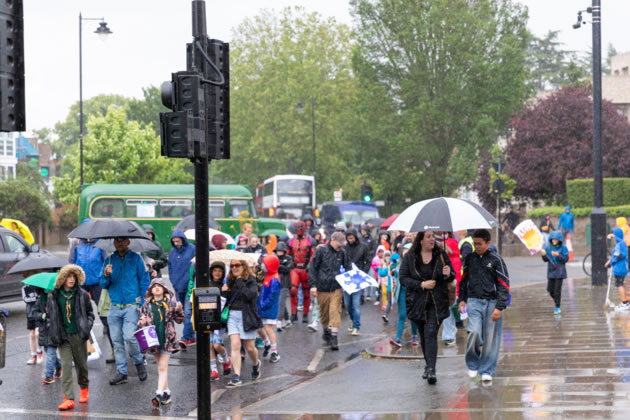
{"points": [[499, 233], [202, 241], [313, 129], [598, 215], [81, 96]]}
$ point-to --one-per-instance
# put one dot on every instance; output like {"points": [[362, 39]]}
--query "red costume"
{"points": [[301, 249]]}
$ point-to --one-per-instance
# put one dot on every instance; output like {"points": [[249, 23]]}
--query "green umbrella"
{"points": [[44, 280]]}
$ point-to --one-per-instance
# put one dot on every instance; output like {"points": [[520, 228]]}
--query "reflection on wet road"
{"points": [[576, 365]]}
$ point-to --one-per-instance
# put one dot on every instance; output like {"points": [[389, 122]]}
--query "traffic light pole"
{"points": [[201, 222]]}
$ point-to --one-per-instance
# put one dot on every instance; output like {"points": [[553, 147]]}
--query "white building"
{"points": [[8, 157]]}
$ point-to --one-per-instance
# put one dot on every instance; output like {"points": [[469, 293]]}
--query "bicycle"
{"points": [[587, 263]]}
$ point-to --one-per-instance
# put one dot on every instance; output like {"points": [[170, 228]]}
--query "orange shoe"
{"points": [[84, 396], [66, 404]]}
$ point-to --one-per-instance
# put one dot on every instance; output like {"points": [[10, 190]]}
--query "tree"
{"points": [[552, 142], [147, 110], [67, 131], [278, 61], [441, 80], [32, 176], [19, 199], [117, 150]]}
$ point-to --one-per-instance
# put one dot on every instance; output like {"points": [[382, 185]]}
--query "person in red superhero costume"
{"points": [[301, 249]]}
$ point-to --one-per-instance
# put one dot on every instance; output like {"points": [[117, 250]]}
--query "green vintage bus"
{"points": [[164, 205]]}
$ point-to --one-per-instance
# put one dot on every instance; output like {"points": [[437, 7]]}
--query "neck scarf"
{"points": [[160, 304], [68, 296]]}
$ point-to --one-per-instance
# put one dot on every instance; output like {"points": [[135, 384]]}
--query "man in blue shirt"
{"points": [[127, 281]]}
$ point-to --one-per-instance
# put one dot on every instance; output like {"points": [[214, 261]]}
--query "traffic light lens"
{"points": [[367, 198]]}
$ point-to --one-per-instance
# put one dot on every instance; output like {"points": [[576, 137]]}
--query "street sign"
{"points": [[338, 195], [379, 203]]}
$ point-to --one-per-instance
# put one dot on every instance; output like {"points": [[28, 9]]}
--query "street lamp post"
{"points": [[103, 31], [300, 107], [598, 215]]}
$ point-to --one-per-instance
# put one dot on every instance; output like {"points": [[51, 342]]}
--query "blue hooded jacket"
{"points": [[179, 263], [556, 268], [90, 259], [566, 220], [619, 260]]}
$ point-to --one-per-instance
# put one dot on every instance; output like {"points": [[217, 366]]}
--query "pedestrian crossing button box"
{"points": [[206, 309]]}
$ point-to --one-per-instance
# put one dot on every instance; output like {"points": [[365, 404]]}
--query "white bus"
{"points": [[286, 196]]}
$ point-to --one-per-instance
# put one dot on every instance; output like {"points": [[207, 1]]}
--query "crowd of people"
{"points": [[430, 278]]}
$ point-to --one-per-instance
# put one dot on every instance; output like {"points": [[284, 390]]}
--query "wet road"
{"points": [[573, 366]]}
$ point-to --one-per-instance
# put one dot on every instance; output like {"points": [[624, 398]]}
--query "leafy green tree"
{"points": [[278, 61], [67, 131], [31, 175], [117, 150], [147, 110], [20, 199], [439, 82]]}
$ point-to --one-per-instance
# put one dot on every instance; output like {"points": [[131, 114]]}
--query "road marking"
{"points": [[282, 394], [312, 367], [215, 396], [76, 413]]}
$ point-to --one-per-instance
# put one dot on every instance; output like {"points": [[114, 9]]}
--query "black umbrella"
{"points": [[40, 261], [136, 245], [188, 222], [108, 228]]}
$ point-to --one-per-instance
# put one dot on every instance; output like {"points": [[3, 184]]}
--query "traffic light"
{"points": [[182, 132], [366, 193], [12, 114], [199, 126], [218, 102]]}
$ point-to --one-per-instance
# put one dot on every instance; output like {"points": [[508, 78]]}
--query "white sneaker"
{"points": [[350, 328], [287, 323], [355, 331], [472, 373], [313, 326], [622, 307], [486, 378], [377, 303]]}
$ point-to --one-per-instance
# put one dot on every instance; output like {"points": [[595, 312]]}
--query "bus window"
{"points": [[241, 208], [107, 207], [141, 208], [216, 208], [176, 208]]}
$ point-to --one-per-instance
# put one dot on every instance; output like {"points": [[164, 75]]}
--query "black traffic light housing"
{"points": [[199, 126], [366, 193], [12, 107]]}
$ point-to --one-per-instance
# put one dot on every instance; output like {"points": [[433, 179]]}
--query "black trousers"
{"points": [[554, 287], [428, 331]]}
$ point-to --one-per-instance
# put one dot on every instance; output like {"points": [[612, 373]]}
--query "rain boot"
{"points": [[333, 342]]}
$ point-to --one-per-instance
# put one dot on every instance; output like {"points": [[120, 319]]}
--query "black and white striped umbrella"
{"points": [[443, 214]]}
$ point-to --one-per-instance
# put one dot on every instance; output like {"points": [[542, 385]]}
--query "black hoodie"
{"points": [[358, 252]]}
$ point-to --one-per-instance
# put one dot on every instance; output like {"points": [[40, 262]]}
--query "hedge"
{"points": [[615, 211], [580, 192]]}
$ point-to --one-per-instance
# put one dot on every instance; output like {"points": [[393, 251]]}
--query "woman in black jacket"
{"points": [[241, 294], [426, 272]]}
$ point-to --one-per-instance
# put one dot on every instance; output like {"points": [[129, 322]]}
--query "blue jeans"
{"points": [[188, 332], [353, 306], [402, 314], [52, 361], [448, 328], [122, 324], [484, 336]]}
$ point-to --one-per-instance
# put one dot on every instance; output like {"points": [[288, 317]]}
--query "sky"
{"points": [[149, 41]]}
